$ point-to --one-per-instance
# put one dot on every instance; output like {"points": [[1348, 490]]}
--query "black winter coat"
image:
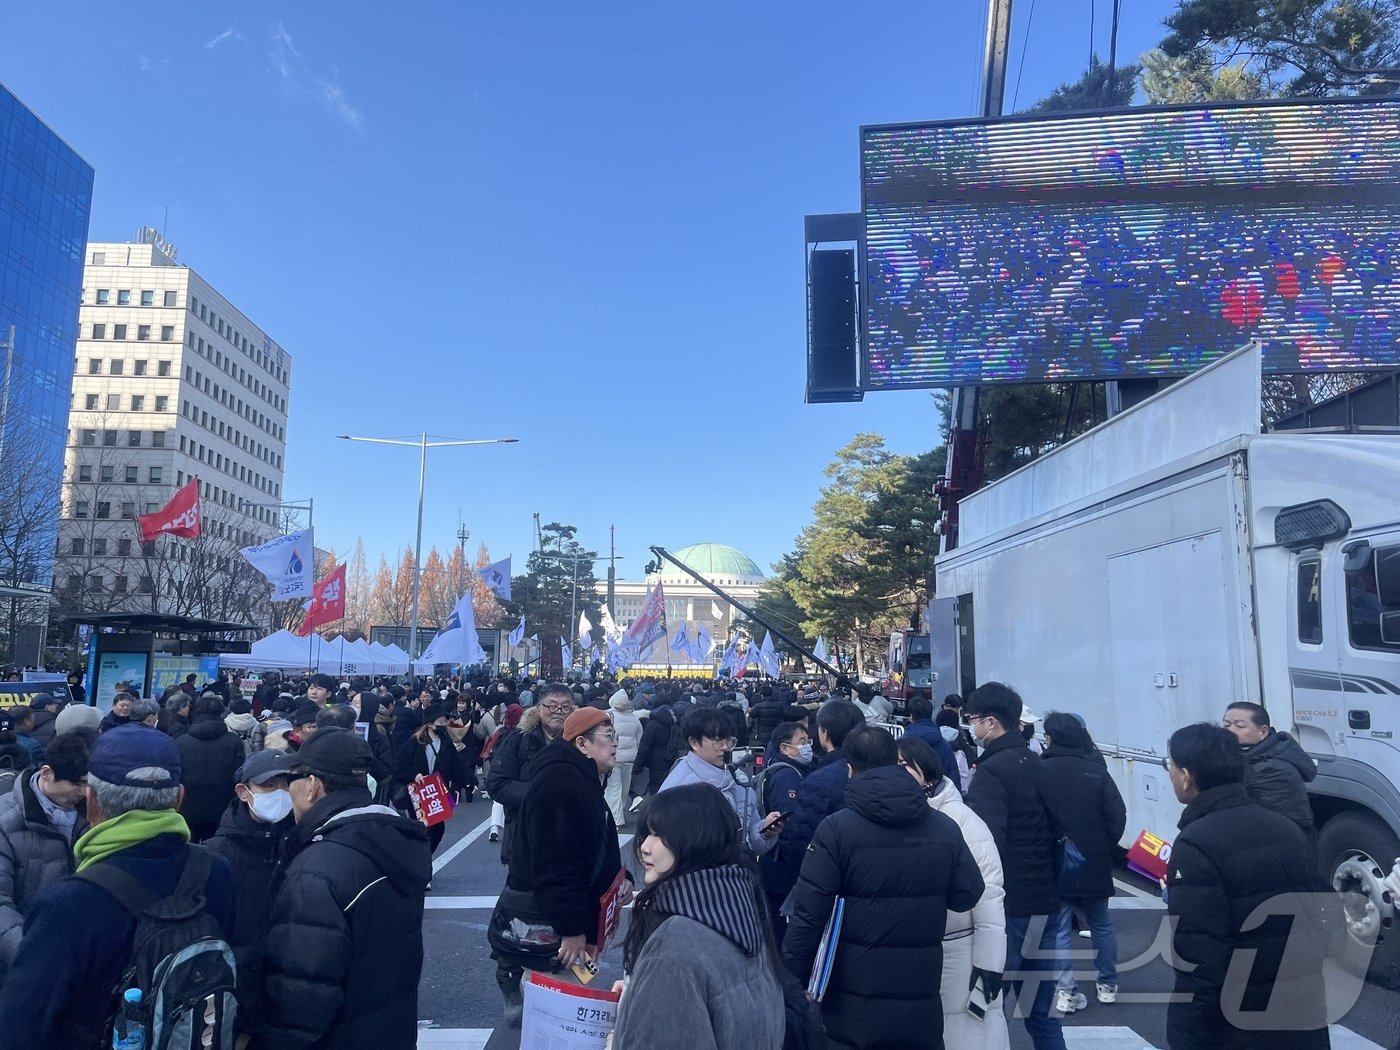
{"points": [[765, 717], [255, 851], [1091, 813], [345, 942], [512, 765], [564, 825], [901, 866], [822, 793], [1231, 857], [413, 762], [43, 731], [1008, 793], [210, 756], [657, 749], [1276, 774]]}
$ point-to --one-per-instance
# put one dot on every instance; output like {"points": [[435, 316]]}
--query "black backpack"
{"points": [[8, 774], [765, 779], [179, 959]]}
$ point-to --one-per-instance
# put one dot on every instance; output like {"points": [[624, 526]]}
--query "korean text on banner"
{"points": [[562, 1016], [610, 912], [1149, 855], [431, 799], [179, 517]]}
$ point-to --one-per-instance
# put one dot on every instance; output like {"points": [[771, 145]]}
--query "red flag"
{"points": [[327, 602], [179, 517]]}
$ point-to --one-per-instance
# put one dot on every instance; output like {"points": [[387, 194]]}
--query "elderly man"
{"points": [[512, 761], [344, 948], [78, 939]]}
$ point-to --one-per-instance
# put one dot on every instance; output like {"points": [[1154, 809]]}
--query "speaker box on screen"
{"points": [[831, 314]]}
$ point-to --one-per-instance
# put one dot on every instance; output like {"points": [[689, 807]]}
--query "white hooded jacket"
{"points": [[627, 726]]}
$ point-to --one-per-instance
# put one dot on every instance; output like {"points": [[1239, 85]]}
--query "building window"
{"points": [[123, 296], [128, 511], [148, 298], [114, 402], [89, 437], [99, 331], [138, 368], [148, 548], [104, 296], [170, 298], [119, 331], [156, 474], [124, 548], [151, 508], [107, 473], [104, 509], [138, 403], [158, 437], [99, 258], [133, 439], [131, 475], [162, 403], [109, 438], [144, 585], [119, 584], [82, 509], [99, 548], [167, 333], [84, 473], [116, 367], [94, 584], [90, 402], [75, 545], [94, 366], [162, 368], [143, 332]]}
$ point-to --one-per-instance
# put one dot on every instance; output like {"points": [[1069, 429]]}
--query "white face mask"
{"points": [[272, 806]]}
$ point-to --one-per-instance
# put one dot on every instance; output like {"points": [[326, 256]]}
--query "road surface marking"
{"points": [[1105, 1037], [454, 1038], [461, 844], [466, 903], [1128, 887]]}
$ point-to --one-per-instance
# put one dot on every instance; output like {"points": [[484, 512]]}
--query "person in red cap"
{"points": [[565, 854]]}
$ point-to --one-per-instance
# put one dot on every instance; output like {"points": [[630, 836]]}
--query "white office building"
{"points": [[171, 382]]}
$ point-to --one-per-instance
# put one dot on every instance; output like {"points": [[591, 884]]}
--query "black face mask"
{"points": [[1028, 732]]}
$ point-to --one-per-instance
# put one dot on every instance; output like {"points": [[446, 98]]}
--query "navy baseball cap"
{"points": [[262, 766], [119, 751]]}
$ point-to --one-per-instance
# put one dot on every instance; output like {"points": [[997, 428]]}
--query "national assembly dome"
{"points": [[719, 564]]}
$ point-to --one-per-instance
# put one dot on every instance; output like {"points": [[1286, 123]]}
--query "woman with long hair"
{"points": [[429, 750], [974, 942], [699, 954]]}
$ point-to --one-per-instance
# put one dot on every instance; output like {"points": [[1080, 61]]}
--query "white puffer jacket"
{"points": [[987, 919], [627, 726]]}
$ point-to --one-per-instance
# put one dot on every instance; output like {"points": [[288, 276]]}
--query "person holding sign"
{"points": [[699, 954], [564, 857], [430, 750]]}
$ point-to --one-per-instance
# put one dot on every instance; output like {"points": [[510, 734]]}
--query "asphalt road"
{"points": [[460, 1007]]}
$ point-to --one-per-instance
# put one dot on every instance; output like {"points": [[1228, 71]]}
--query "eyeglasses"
{"points": [[725, 742], [557, 709], [604, 738], [298, 776]]}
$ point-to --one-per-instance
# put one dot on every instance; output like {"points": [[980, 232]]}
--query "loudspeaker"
{"points": [[832, 373]]}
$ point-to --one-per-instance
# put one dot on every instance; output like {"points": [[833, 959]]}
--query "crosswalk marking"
{"points": [[466, 903], [461, 844], [1345, 1039], [454, 1038], [1105, 1037]]}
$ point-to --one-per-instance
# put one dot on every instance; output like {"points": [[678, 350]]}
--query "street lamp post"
{"points": [[422, 444]]}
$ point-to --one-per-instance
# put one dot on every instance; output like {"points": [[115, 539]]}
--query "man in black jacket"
{"points": [[1277, 771], [901, 867], [253, 837], [765, 716], [1243, 983], [210, 754], [1008, 793], [513, 760], [344, 948]]}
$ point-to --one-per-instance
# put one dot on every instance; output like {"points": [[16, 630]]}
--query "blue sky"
{"points": [[576, 225]]}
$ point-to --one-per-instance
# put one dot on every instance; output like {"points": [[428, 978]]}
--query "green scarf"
{"points": [[123, 832]]}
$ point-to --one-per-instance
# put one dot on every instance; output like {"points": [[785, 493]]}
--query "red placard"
{"points": [[1149, 855], [431, 799], [610, 911]]}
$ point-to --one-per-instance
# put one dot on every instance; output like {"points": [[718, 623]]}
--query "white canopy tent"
{"points": [[284, 651]]}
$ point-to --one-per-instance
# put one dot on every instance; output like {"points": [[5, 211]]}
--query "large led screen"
{"points": [[1144, 242]]}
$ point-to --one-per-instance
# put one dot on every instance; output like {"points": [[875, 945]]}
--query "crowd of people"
{"points": [[962, 845]]}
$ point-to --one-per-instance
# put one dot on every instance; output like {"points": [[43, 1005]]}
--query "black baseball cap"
{"points": [[334, 752]]}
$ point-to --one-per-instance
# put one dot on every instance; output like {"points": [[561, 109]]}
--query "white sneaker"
{"points": [[494, 835], [1108, 993], [1067, 1001]]}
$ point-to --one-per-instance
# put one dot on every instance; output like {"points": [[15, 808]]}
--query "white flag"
{"points": [[702, 646], [497, 577], [566, 654], [716, 611], [819, 650], [594, 656], [287, 562], [457, 642], [611, 631], [730, 661], [518, 635], [681, 639], [768, 657], [585, 631]]}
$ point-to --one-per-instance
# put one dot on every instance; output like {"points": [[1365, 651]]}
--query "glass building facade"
{"points": [[45, 203]]}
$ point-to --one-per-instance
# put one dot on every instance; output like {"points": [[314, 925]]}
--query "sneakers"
{"points": [[1108, 993], [1067, 1000], [494, 835]]}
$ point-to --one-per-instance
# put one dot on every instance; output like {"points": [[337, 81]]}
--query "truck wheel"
{"points": [[1355, 853]]}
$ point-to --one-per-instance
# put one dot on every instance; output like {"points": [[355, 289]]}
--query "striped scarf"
{"points": [[720, 898]]}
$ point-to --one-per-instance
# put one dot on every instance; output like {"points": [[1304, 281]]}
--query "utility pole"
{"points": [[612, 565], [463, 534]]}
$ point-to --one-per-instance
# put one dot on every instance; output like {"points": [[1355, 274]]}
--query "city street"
{"points": [[459, 1005]]}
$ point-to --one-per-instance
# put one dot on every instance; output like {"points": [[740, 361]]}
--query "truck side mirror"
{"points": [[1390, 628], [1387, 563]]}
